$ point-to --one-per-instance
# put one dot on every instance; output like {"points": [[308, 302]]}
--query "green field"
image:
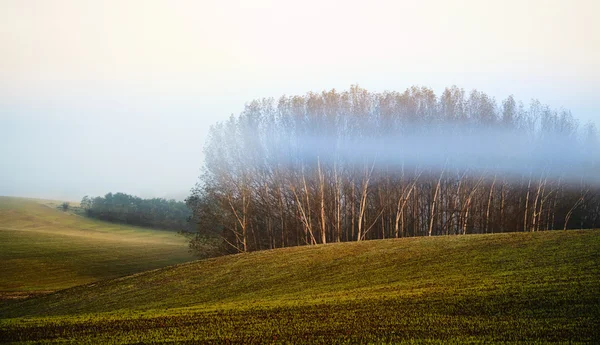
{"points": [[509, 288], [44, 249]]}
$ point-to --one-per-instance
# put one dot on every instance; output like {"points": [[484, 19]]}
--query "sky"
{"points": [[107, 96]]}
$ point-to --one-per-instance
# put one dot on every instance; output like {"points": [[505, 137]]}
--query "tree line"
{"points": [[128, 209], [270, 180]]}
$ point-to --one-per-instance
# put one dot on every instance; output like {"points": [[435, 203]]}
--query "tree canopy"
{"points": [[128, 209], [356, 165]]}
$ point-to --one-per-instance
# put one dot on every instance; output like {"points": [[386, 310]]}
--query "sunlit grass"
{"points": [[533, 287]]}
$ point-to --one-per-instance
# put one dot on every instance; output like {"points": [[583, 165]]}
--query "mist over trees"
{"points": [[355, 165], [128, 209]]}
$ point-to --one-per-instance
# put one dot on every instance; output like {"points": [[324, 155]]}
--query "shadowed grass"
{"points": [[44, 249], [542, 287]]}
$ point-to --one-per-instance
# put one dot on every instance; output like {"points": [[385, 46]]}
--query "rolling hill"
{"points": [[44, 249], [542, 287]]}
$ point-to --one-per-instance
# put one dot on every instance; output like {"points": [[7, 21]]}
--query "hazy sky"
{"points": [[99, 96]]}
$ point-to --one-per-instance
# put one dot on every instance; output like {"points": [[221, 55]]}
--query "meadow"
{"points": [[44, 249], [539, 287]]}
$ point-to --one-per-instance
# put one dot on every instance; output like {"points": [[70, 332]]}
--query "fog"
{"points": [[451, 150], [111, 96]]}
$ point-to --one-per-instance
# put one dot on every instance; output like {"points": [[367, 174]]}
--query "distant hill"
{"points": [[45, 249]]}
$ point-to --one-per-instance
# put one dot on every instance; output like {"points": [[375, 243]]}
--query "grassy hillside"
{"points": [[45, 249], [508, 287]]}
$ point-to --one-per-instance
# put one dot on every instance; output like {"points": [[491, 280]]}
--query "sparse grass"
{"points": [[523, 287], [44, 249]]}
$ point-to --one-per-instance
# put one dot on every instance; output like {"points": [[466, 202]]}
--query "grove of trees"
{"points": [[128, 209], [339, 166]]}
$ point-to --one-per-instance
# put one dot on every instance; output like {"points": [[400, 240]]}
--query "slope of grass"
{"points": [[542, 287], [45, 249]]}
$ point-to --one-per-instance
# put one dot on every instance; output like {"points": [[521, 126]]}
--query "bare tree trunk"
{"points": [[338, 203], [553, 221], [466, 218], [362, 208], [416, 212], [322, 190], [487, 213], [307, 214], [535, 202], [541, 210], [241, 220], [303, 216], [402, 203], [402, 217], [256, 242], [244, 222], [458, 207], [468, 206], [525, 224], [578, 203], [282, 213], [363, 202], [431, 217], [353, 204], [502, 198]]}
